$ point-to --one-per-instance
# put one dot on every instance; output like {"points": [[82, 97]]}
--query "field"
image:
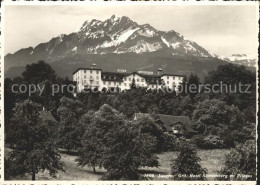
{"points": [[211, 159]]}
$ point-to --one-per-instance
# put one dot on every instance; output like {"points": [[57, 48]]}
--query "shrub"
{"points": [[240, 163], [209, 142], [12, 170]]}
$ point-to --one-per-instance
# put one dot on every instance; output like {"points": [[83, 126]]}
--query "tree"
{"points": [[69, 113], [233, 75], [39, 72], [34, 148], [88, 153], [117, 145], [208, 114], [225, 124], [241, 161], [147, 125], [186, 166], [133, 85], [193, 83]]}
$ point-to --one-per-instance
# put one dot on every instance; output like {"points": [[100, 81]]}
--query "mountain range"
{"points": [[241, 59], [117, 42]]}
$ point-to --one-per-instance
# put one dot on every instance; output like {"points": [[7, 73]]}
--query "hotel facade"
{"points": [[95, 78]]}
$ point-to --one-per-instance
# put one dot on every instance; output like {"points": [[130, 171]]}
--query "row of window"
{"points": [[97, 72], [109, 83], [173, 83], [125, 79], [173, 77], [91, 77], [130, 79]]}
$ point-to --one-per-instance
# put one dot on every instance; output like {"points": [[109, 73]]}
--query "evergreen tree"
{"points": [[133, 85], [193, 83], [186, 166]]}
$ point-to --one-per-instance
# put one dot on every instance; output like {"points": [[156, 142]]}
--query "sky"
{"points": [[223, 30]]}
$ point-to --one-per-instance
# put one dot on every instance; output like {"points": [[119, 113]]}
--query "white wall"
{"points": [[92, 77], [171, 81]]}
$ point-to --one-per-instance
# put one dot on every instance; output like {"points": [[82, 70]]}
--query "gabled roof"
{"points": [[169, 120], [47, 116]]}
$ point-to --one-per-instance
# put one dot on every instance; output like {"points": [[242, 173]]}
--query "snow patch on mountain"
{"points": [[75, 49], [143, 46], [174, 45], [241, 59], [125, 35], [165, 42], [119, 38]]}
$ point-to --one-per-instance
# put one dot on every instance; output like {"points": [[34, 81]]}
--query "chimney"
{"points": [[43, 108], [159, 71]]}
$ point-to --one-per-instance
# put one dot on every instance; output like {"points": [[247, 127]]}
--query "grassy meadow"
{"points": [[211, 159]]}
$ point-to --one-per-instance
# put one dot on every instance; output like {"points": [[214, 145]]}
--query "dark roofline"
{"points": [[82, 68], [114, 73], [127, 74], [173, 75]]}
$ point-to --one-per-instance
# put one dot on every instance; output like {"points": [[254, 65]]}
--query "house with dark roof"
{"points": [[176, 125]]}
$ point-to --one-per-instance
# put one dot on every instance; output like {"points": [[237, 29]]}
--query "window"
{"points": [[97, 77], [97, 72], [138, 80], [125, 84], [85, 76], [173, 78], [97, 82], [85, 81], [90, 71], [114, 83], [129, 79], [90, 82], [104, 83], [142, 80], [152, 86], [167, 82], [85, 71], [167, 77], [109, 83], [119, 83]]}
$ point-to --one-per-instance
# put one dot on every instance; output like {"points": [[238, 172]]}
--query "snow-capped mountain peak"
{"points": [[117, 34], [241, 59]]}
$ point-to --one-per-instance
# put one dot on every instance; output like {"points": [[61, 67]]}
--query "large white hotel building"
{"points": [[94, 78]]}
